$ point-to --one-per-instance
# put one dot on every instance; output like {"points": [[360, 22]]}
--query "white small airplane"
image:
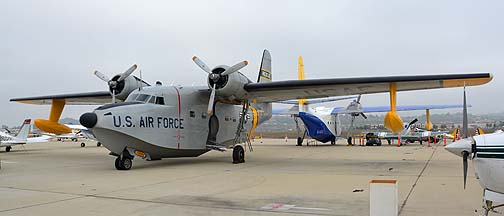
{"points": [[21, 138], [487, 154], [77, 132], [155, 122]]}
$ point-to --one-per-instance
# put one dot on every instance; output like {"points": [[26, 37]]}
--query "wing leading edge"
{"points": [[87, 98], [316, 88], [371, 109]]}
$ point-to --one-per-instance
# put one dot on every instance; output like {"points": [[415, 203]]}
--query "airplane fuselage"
{"points": [[179, 127], [489, 161]]}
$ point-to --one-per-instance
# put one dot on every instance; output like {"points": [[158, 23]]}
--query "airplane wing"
{"points": [[304, 89], [294, 110], [370, 109], [317, 88], [43, 138], [87, 98], [316, 101]]}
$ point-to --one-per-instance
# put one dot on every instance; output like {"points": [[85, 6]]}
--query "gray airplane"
{"points": [[154, 122]]}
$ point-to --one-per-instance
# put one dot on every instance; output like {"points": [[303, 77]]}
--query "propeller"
{"points": [[114, 82], [465, 155], [215, 76]]}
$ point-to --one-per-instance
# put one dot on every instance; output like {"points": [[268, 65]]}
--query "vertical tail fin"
{"points": [[479, 131], [264, 110], [25, 130], [454, 132], [303, 107], [265, 70]]}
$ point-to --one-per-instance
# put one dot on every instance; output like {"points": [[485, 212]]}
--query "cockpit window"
{"points": [[142, 97], [151, 100], [132, 97], [160, 100]]}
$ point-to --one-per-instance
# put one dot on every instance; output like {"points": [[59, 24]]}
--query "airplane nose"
{"points": [[88, 120], [460, 146]]}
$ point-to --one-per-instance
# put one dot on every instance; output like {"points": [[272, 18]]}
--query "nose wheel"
{"points": [[124, 162], [238, 154]]}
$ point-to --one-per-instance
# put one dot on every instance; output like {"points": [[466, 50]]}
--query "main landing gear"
{"points": [[238, 154], [124, 161], [82, 145], [8, 148]]}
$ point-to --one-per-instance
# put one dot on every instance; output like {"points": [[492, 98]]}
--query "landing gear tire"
{"points": [[8, 148], [82, 145], [118, 163], [98, 144], [238, 154], [123, 163], [349, 140], [299, 141], [74, 139], [333, 142]]}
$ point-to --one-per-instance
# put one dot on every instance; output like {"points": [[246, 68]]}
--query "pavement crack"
{"points": [[416, 180]]}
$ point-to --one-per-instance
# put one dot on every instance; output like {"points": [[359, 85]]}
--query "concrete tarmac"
{"points": [[278, 178]]}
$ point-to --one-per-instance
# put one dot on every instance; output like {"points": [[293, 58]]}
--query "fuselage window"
{"points": [[160, 100], [203, 115], [192, 114], [132, 97], [142, 97]]}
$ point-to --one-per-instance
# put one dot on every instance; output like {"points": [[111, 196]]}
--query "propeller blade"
{"points": [[101, 76], [127, 73], [363, 115], [412, 122], [201, 64], [464, 160], [113, 95], [465, 127], [358, 98], [211, 101], [235, 68]]}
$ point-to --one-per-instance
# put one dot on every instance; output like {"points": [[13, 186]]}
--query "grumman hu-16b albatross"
{"points": [[154, 122]]}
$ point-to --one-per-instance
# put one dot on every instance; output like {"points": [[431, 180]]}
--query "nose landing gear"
{"points": [[124, 161]]}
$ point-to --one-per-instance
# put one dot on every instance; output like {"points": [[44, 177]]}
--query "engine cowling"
{"points": [[229, 87], [125, 87]]}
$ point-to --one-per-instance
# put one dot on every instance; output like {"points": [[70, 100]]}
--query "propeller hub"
{"points": [[459, 147]]}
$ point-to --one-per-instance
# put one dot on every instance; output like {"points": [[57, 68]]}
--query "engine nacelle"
{"points": [[229, 87], [125, 87]]}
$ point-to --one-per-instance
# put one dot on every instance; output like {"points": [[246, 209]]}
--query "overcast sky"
{"points": [[52, 47]]}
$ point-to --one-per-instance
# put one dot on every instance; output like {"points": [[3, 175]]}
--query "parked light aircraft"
{"points": [[154, 122], [487, 154], [77, 131], [323, 123], [21, 138]]}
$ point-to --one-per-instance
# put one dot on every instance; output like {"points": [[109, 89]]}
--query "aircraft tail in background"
{"points": [[24, 130]]}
